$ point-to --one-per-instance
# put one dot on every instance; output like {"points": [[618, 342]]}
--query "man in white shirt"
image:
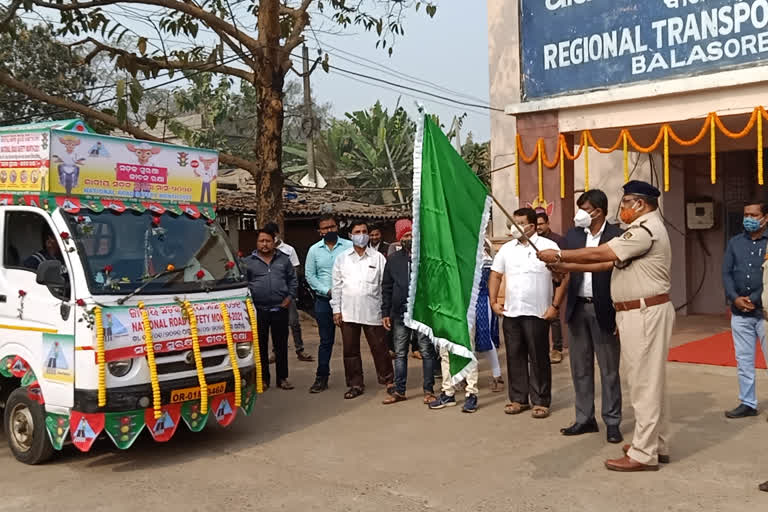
{"points": [[356, 303], [293, 310], [528, 307]]}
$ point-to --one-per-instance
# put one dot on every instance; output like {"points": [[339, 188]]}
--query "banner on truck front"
{"points": [[124, 329], [93, 166]]}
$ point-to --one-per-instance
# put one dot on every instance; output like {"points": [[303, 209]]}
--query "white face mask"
{"points": [[360, 240], [582, 219], [515, 233]]}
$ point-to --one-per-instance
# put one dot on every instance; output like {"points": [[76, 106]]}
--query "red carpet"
{"points": [[716, 350]]}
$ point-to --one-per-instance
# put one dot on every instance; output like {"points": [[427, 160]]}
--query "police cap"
{"points": [[641, 188]]}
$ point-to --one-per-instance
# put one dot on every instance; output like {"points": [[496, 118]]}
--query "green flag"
{"points": [[124, 427], [451, 207]]}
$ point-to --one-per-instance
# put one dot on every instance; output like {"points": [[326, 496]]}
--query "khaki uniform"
{"points": [[645, 331]]}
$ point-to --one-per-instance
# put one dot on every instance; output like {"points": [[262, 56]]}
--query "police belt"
{"points": [[637, 304]]}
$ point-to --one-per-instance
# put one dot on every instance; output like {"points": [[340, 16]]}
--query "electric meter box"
{"points": [[700, 215]]}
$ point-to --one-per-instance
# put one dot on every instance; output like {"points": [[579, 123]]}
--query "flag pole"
{"points": [[514, 224]]}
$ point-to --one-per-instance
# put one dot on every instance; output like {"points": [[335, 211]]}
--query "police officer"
{"points": [[640, 284]]}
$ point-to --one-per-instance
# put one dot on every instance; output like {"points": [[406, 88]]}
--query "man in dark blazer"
{"points": [[591, 320]]}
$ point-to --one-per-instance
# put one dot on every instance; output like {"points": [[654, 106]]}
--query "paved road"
{"points": [[320, 452]]}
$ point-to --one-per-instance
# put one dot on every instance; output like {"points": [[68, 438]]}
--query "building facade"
{"points": [[596, 92]]}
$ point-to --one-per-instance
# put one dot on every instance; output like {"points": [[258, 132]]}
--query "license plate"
{"points": [[187, 394]]}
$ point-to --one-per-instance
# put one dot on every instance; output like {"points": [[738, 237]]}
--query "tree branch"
{"points": [[11, 9], [86, 111], [148, 63], [189, 8], [300, 22]]}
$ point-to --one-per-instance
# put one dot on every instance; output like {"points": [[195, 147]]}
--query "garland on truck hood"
{"points": [[150, 347], [232, 354]]}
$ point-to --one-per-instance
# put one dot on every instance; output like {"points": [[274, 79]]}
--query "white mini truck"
{"points": [[122, 305]]}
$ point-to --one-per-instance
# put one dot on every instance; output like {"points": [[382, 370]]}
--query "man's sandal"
{"points": [[516, 408], [394, 398], [353, 392], [540, 412], [429, 398]]}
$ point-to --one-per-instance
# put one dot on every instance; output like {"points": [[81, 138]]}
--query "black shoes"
{"points": [[742, 411], [614, 434], [580, 428], [320, 385]]}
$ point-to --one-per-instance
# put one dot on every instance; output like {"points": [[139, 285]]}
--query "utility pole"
{"points": [[309, 129]]}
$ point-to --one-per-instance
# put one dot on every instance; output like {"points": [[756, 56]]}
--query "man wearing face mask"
{"points": [[527, 309], [543, 229], [743, 283], [640, 285], [397, 277], [319, 274], [356, 304], [592, 323]]}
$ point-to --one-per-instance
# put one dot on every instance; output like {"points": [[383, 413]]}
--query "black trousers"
{"points": [[527, 337], [277, 322]]}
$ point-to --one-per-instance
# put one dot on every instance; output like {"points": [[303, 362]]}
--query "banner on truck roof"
{"points": [[24, 161], [124, 330], [93, 166]]}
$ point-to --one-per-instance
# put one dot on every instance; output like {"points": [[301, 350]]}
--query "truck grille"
{"points": [[179, 362]]}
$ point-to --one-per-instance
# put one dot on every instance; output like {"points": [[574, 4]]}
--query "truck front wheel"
{"points": [[24, 424]]}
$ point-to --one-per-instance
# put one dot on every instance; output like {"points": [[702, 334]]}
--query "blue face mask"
{"points": [[751, 225]]}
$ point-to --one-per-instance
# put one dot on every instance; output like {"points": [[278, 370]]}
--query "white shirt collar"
{"points": [[531, 239], [599, 233]]}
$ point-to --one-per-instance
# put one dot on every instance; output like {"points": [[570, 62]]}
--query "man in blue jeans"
{"points": [[397, 275], [743, 282], [319, 274]]}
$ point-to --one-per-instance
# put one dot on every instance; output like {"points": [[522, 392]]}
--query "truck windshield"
{"points": [[120, 252]]}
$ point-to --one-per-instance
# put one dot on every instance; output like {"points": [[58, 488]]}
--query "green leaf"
{"points": [[142, 45], [151, 120], [431, 10], [326, 66], [120, 89]]}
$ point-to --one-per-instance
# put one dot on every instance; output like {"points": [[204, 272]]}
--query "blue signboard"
{"points": [[579, 45]]}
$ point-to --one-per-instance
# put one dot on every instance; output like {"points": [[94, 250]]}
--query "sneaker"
{"points": [[470, 404], [556, 356], [320, 385], [742, 411], [443, 401]]}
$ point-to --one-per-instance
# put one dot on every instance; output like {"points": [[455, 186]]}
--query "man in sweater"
{"points": [[397, 276]]}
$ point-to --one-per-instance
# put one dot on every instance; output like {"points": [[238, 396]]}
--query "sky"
{"points": [[449, 50], [445, 55]]}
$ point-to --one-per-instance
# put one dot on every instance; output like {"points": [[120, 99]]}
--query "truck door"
{"points": [[36, 324]]}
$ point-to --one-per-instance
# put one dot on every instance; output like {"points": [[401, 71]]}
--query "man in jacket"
{"points": [[397, 275], [273, 285], [592, 322]]}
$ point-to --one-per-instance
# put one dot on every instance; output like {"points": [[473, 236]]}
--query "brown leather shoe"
{"points": [[763, 486], [664, 459], [628, 465]]}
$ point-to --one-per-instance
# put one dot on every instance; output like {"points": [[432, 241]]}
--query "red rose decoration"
{"points": [[240, 254], [81, 303], [230, 265], [108, 268], [80, 219], [155, 221], [22, 293], [200, 274], [209, 222], [64, 235]]}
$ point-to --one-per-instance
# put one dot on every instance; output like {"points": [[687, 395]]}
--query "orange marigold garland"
{"points": [[100, 359], [150, 348], [232, 353], [256, 349], [195, 335]]}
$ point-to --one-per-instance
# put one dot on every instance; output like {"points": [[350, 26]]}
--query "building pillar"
{"points": [[544, 125]]}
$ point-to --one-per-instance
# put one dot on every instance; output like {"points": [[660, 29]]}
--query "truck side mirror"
{"points": [[49, 273]]}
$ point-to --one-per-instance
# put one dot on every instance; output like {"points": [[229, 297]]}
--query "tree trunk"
{"points": [[268, 173]]}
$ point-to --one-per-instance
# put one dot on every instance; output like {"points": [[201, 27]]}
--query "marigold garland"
{"points": [[195, 335], [256, 349], [711, 124], [100, 359], [232, 353], [150, 348]]}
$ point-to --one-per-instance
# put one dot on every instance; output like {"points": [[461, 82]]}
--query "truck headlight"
{"points": [[120, 368], [243, 350]]}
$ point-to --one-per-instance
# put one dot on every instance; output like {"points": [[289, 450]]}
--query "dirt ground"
{"points": [[320, 452]]}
